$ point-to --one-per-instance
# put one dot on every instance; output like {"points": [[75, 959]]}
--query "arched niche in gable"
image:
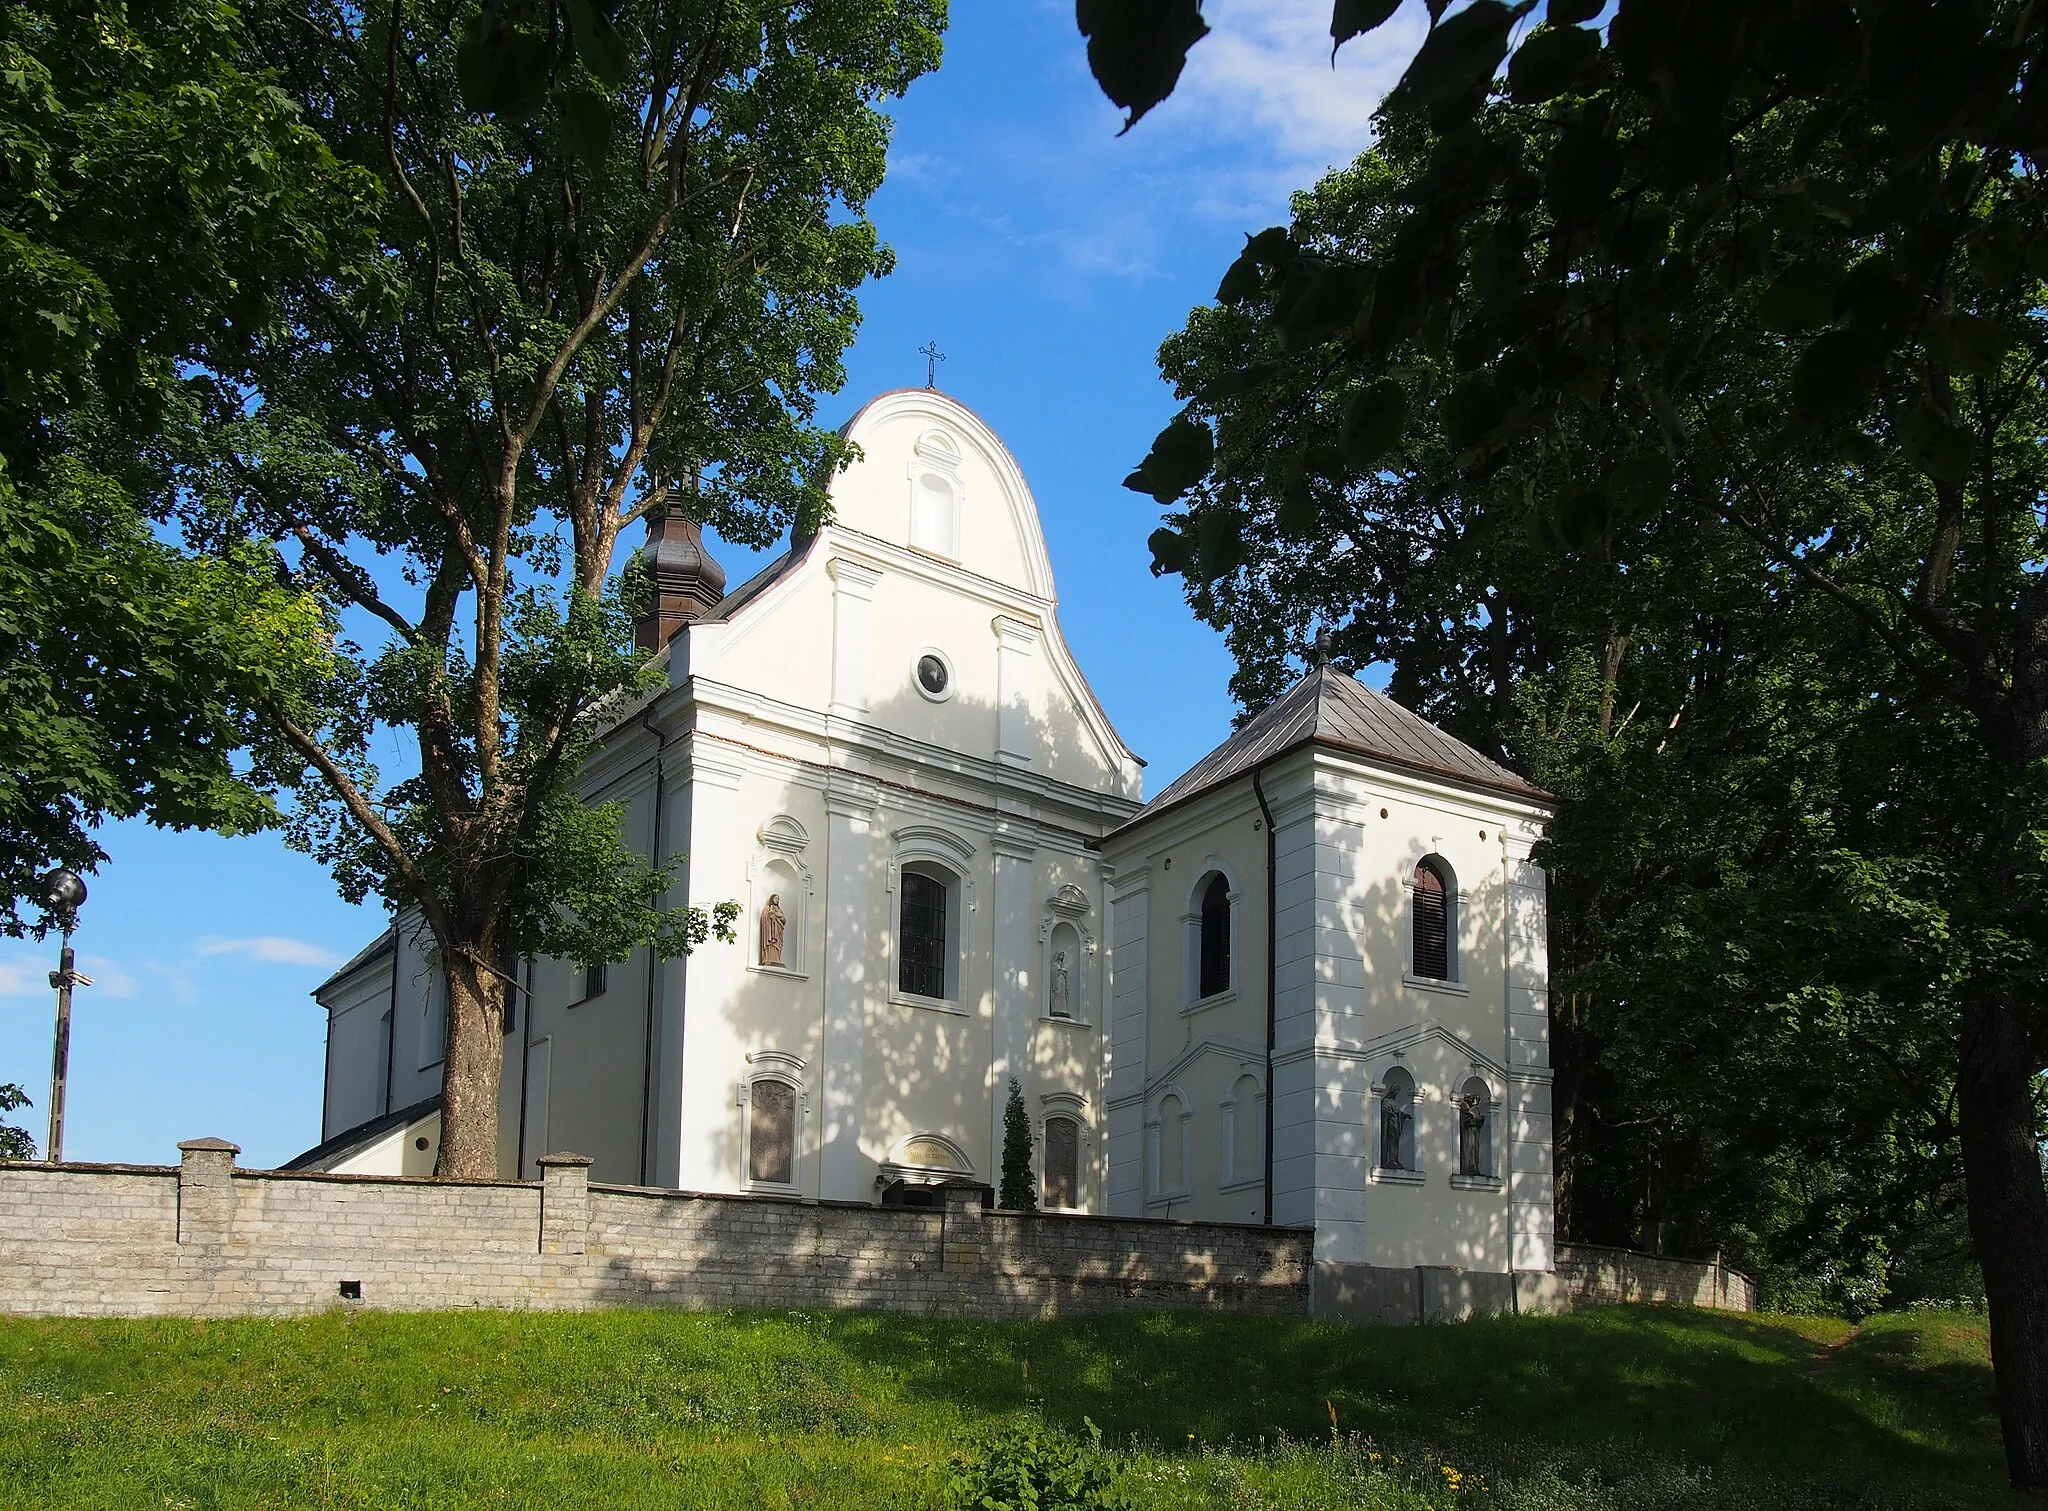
{"points": [[779, 887], [938, 494]]}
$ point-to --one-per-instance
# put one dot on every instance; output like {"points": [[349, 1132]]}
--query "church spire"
{"points": [[687, 582]]}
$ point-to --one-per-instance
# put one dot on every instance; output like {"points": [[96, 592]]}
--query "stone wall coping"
{"points": [[364, 1178], [208, 1146], [565, 1159], [86, 1167], [1302, 1230], [756, 1198]]}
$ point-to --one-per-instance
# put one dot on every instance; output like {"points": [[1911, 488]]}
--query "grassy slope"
{"points": [[1622, 1407]]}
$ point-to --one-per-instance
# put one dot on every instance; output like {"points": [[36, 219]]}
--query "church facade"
{"points": [[1304, 985]]}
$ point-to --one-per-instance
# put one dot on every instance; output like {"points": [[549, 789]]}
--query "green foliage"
{"points": [[1716, 506], [1025, 1467], [1617, 1409], [129, 667], [612, 265], [1019, 1191], [15, 1143]]}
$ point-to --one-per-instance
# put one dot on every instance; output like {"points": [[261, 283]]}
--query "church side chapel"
{"points": [[1304, 985]]}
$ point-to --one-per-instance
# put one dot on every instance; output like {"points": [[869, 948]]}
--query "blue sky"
{"points": [[1047, 257]]}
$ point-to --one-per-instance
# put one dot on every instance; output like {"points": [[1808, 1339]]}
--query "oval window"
{"points": [[932, 675]]}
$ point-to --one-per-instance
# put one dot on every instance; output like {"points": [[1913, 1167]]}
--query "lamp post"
{"points": [[63, 891]]}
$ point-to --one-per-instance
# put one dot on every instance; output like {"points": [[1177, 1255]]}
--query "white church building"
{"points": [[1306, 984]]}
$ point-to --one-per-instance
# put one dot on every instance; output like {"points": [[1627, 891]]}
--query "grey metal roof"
{"points": [[352, 1140], [1329, 707], [376, 947]]}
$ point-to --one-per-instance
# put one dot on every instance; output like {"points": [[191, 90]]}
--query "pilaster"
{"points": [[695, 1042], [1129, 925], [853, 593], [1016, 650], [844, 1172], [1014, 985], [1532, 1180]]}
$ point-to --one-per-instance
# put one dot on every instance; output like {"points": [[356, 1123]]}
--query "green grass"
{"points": [[1617, 1408]]}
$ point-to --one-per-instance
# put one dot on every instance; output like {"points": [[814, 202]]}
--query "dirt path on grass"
{"points": [[1825, 1360]]}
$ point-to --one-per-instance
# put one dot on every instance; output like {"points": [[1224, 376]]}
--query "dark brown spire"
{"points": [[687, 581]]}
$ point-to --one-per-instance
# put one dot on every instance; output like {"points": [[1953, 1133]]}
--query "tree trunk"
{"points": [[472, 1069], [2009, 1221]]}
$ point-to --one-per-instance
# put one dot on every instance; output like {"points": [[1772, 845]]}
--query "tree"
{"points": [[1843, 203], [1019, 1191], [15, 1143], [613, 260], [1675, 1123], [127, 665]]}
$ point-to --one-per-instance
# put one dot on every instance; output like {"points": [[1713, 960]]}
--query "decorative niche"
{"points": [[937, 494], [777, 871], [1068, 966]]}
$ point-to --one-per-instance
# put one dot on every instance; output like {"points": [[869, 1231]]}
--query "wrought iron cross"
{"points": [[932, 358]]}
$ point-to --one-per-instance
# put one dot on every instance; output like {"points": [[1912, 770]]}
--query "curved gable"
{"points": [[934, 478]]}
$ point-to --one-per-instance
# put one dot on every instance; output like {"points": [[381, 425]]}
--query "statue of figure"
{"points": [[1394, 1120], [1061, 1000], [1471, 1136], [773, 922]]}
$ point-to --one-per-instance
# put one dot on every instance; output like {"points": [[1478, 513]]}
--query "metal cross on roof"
{"points": [[932, 358]]}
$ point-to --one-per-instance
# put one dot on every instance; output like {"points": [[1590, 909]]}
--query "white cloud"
{"points": [[1263, 79], [24, 978], [108, 979], [1259, 113], [270, 947], [28, 975]]}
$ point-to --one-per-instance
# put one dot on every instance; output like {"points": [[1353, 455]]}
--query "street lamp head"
{"points": [[63, 890]]}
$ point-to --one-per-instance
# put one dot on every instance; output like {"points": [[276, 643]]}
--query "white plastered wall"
{"points": [[804, 707], [1348, 1007]]}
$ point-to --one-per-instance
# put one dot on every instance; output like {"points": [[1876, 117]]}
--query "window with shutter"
{"points": [[1432, 923]]}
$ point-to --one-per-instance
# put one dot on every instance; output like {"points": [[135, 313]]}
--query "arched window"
{"points": [[771, 1132], [1397, 1121], [1062, 1163], [1247, 1129], [924, 965], [1434, 912], [1475, 1129], [1215, 925], [1169, 1156]]}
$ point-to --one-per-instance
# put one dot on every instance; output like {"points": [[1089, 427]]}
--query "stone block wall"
{"points": [[205, 1239], [1594, 1274], [1586, 1275]]}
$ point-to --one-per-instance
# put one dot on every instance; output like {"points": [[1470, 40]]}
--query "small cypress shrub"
{"points": [[1019, 1191]]}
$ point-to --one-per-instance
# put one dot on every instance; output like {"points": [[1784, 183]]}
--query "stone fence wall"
{"points": [[206, 1239], [1594, 1275]]}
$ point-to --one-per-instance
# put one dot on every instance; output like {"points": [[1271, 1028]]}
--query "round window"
{"points": [[933, 676]]}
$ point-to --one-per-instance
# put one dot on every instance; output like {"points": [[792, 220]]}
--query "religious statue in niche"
{"points": [[1394, 1120], [773, 924], [1062, 993], [1471, 1134]]}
